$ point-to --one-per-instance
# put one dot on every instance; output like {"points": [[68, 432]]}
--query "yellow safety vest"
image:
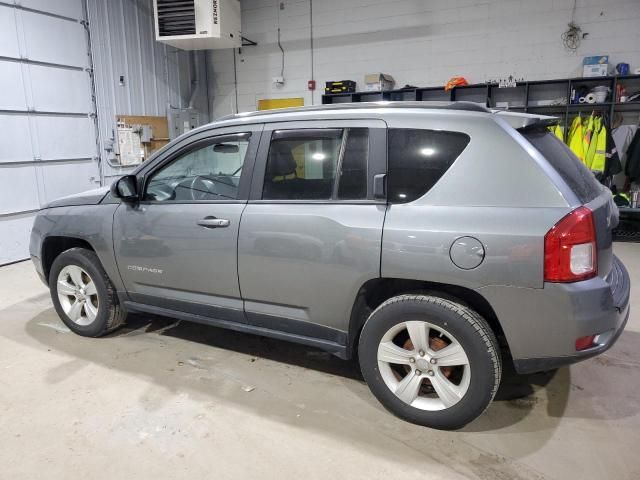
{"points": [[576, 137], [622, 194], [591, 140], [587, 132], [559, 132], [599, 159]]}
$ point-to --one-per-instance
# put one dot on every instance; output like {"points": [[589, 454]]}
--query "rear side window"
{"points": [[317, 164], [576, 175], [418, 158]]}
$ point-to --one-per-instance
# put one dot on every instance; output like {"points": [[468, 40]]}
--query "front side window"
{"points": [[418, 158], [304, 164], [210, 171]]}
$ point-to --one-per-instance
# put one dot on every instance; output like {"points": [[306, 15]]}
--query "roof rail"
{"points": [[463, 106]]}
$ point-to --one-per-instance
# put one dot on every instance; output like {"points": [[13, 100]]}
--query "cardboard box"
{"points": [[377, 82], [595, 66]]}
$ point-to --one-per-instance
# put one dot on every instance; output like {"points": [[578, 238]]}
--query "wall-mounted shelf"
{"points": [[521, 98], [524, 98]]}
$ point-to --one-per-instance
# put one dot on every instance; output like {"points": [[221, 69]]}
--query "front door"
{"points": [[177, 248], [311, 233]]}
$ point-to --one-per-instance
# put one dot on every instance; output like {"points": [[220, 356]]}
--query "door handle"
{"points": [[213, 222]]}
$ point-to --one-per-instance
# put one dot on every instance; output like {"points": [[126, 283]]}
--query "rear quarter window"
{"points": [[418, 158], [575, 174]]}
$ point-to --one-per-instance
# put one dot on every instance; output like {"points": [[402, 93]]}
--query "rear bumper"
{"points": [[542, 325], [603, 343]]}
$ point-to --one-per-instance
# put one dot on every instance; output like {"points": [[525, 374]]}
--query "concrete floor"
{"points": [[160, 399]]}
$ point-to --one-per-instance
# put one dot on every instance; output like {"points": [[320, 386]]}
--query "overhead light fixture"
{"points": [[427, 152], [319, 156]]}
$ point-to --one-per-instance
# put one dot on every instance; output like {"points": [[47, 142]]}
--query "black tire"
{"points": [[470, 330], [110, 314]]}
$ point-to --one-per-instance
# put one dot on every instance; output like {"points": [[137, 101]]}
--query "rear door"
{"points": [[177, 248], [310, 236]]}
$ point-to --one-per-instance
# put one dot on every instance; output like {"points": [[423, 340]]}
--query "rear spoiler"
{"points": [[526, 121]]}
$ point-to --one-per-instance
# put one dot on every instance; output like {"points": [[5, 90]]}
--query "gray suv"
{"points": [[433, 241]]}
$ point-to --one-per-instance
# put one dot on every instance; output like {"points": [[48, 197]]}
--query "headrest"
{"points": [[281, 161]]}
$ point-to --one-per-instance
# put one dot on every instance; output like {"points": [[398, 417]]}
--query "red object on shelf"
{"points": [[455, 82], [311, 84]]}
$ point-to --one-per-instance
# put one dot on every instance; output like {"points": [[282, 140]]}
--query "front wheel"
{"points": [[430, 361], [83, 295]]}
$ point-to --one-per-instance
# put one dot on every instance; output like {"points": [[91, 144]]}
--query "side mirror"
{"points": [[125, 188]]}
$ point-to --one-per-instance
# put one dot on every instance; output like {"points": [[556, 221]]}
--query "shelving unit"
{"points": [[628, 229], [523, 98]]}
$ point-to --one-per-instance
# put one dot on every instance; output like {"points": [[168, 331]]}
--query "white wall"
{"points": [[419, 42]]}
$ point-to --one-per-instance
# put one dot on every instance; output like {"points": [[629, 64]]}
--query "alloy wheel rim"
{"points": [[77, 295], [424, 365]]}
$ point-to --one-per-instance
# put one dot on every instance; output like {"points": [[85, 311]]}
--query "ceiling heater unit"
{"points": [[198, 24]]}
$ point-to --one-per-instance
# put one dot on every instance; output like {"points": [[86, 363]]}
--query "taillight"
{"points": [[570, 248], [583, 343]]}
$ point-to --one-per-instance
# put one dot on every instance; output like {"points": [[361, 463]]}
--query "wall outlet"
{"points": [[278, 81]]}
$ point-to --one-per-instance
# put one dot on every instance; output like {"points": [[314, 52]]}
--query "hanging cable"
{"points": [[280, 6], [573, 36], [311, 43], [235, 77], [282, 50]]}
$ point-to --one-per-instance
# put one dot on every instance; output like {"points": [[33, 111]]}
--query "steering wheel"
{"points": [[201, 187]]}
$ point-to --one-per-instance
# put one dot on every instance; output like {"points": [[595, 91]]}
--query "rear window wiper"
{"points": [[539, 125]]}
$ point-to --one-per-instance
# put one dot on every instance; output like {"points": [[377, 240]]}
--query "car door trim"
{"points": [[296, 327], [193, 307], [333, 347], [190, 202], [321, 202]]}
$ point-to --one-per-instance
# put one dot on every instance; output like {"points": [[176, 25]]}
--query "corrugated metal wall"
{"points": [[155, 75], [51, 146]]}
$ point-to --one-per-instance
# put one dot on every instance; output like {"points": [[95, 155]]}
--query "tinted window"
{"points": [[208, 172], [576, 175], [303, 164], [418, 158], [353, 169]]}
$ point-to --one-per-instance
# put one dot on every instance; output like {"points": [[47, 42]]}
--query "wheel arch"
{"points": [[54, 245], [376, 291]]}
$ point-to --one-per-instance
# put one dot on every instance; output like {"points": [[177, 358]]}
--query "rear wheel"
{"points": [[430, 361], [83, 295]]}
